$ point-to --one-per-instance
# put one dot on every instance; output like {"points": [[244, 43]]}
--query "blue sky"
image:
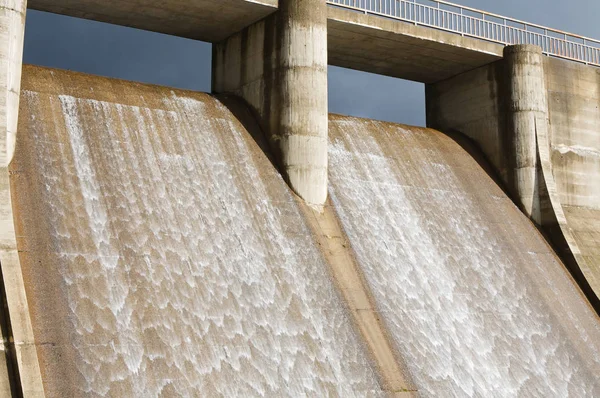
{"points": [[109, 50]]}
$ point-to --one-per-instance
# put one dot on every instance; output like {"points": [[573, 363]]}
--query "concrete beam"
{"points": [[206, 20], [26, 374], [279, 66], [400, 49]]}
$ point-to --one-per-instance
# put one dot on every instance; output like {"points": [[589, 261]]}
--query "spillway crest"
{"points": [[166, 256], [475, 301]]}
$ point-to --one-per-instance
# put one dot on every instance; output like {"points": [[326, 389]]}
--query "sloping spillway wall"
{"points": [[164, 255], [569, 152], [475, 300], [574, 152]]}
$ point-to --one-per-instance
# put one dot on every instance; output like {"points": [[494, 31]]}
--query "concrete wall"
{"points": [[279, 66], [574, 144], [481, 105], [470, 103], [26, 373], [574, 101]]}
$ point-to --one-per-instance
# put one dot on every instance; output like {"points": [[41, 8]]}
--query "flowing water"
{"points": [[164, 256], [184, 262], [475, 301]]}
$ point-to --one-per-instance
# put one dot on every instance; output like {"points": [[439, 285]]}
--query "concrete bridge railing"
{"points": [[480, 24]]}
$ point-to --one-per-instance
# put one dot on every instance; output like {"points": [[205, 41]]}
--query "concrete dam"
{"points": [[176, 261], [158, 242]]}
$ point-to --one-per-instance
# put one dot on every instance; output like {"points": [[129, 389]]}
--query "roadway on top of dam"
{"points": [[404, 39]]}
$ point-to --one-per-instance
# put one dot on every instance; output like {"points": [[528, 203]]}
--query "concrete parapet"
{"points": [[279, 66], [527, 105]]}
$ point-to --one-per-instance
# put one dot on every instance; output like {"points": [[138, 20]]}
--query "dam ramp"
{"points": [[164, 255], [475, 300]]}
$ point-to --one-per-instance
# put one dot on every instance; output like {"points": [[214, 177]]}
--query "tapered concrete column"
{"points": [[279, 66], [526, 111], [25, 372]]}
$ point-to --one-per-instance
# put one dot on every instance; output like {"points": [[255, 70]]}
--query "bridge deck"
{"points": [[399, 49], [206, 20], [390, 37]]}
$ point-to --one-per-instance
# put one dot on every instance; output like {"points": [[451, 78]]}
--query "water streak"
{"points": [[186, 264], [475, 301]]}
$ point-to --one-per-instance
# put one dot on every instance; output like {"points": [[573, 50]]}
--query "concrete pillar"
{"points": [[12, 28], [26, 376], [526, 111], [279, 66]]}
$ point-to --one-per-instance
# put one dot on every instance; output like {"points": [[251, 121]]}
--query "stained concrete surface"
{"points": [[526, 113], [279, 67], [17, 335], [574, 138]]}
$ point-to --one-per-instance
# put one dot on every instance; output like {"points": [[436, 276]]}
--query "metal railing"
{"points": [[482, 25]]}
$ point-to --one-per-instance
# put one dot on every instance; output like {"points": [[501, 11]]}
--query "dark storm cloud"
{"points": [[131, 54]]}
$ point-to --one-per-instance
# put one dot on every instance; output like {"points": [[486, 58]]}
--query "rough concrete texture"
{"points": [[18, 330], [476, 302], [526, 112], [574, 145], [164, 254], [475, 104], [346, 272], [279, 66], [400, 49], [207, 20]]}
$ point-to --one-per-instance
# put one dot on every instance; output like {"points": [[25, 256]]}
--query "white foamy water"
{"points": [[186, 265], [475, 301]]}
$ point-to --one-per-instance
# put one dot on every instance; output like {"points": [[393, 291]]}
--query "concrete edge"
{"points": [[543, 147], [21, 338]]}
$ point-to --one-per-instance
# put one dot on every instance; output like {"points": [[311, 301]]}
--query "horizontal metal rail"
{"points": [[482, 25]]}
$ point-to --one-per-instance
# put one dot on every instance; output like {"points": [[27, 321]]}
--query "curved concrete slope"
{"points": [[476, 302], [163, 253], [574, 153]]}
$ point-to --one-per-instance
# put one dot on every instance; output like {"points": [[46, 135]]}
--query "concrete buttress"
{"points": [[279, 66], [526, 112], [25, 373]]}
